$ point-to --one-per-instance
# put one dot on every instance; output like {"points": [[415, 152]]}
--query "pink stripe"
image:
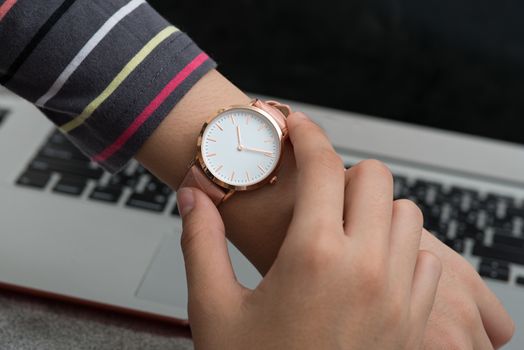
{"points": [[6, 6], [151, 108]]}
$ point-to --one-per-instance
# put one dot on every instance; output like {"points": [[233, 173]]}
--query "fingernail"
{"points": [[185, 200]]}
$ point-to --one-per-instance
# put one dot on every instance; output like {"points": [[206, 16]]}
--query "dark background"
{"points": [[452, 64]]}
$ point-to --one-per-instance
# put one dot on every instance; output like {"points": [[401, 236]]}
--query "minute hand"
{"points": [[257, 150]]}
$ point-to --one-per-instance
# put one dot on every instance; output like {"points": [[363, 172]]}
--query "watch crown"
{"points": [[273, 180]]}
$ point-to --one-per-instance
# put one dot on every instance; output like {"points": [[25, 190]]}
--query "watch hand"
{"points": [[239, 147], [257, 150]]}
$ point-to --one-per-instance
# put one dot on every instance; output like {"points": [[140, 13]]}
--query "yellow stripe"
{"points": [[119, 79]]}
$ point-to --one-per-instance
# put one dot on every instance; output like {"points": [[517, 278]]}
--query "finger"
{"points": [[369, 205], [210, 276], [320, 183], [497, 322], [482, 341], [406, 230], [425, 283]]}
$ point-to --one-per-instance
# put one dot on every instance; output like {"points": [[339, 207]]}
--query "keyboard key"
{"points": [[514, 212], [106, 194], [71, 185], [520, 280], [496, 205], [465, 230], [57, 138], [501, 224], [147, 201], [508, 240], [469, 218], [463, 199], [500, 198], [71, 167], [3, 114], [401, 189], [502, 232], [500, 252], [501, 274], [431, 213], [62, 153], [34, 179], [156, 186], [426, 191], [121, 180], [495, 264], [463, 191]]}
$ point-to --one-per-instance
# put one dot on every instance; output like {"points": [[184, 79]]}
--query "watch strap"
{"points": [[195, 177], [277, 110]]}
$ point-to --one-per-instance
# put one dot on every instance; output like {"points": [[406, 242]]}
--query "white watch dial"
{"points": [[241, 147]]}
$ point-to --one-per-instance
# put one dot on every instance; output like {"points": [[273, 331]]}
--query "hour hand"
{"points": [[239, 147]]}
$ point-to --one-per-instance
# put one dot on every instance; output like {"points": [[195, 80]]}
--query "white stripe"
{"points": [[87, 49]]}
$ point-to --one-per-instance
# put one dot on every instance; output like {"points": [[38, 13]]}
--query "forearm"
{"points": [[113, 70], [256, 220]]}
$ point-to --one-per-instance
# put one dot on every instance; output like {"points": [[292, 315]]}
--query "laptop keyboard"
{"points": [[77, 175], [492, 223]]}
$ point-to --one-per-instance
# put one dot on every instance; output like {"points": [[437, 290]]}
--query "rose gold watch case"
{"points": [[232, 188]]}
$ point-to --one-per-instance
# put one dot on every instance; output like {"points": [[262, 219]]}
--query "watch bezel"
{"points": [[223, 184]]}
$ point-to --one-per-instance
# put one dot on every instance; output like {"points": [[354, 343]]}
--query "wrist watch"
{"points": [[239, 149]]}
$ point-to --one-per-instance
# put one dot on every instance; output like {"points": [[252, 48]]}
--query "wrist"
{"points": [[172, 145]]}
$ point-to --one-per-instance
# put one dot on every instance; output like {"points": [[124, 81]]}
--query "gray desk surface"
{"points": [[32, 323]]}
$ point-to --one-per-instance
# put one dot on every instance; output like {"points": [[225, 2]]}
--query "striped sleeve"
{"points": [[105, 72]]}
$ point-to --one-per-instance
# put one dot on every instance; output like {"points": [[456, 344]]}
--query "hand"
{"points": [[349, 274], [257, 221]]}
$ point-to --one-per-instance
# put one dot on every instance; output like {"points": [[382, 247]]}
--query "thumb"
{"points": [[210, 276]]}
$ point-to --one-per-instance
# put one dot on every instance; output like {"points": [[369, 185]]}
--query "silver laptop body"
{"points": [[124, 253]]}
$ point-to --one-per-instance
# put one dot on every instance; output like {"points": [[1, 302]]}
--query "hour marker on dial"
{"points": [[247, 175], [211, 155], [218, 126], [218, 169], [232, 176]]}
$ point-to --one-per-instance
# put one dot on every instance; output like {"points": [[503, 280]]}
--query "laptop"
{"points": [[66, 234]]}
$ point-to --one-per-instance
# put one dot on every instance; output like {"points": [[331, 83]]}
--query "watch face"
{"points": [[241, 147]]}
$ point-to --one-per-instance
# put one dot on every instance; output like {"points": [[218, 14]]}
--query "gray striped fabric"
{"points": [[105, 72]]}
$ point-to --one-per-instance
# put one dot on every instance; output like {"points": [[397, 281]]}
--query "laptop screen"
{"points": [[455, 65]]}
